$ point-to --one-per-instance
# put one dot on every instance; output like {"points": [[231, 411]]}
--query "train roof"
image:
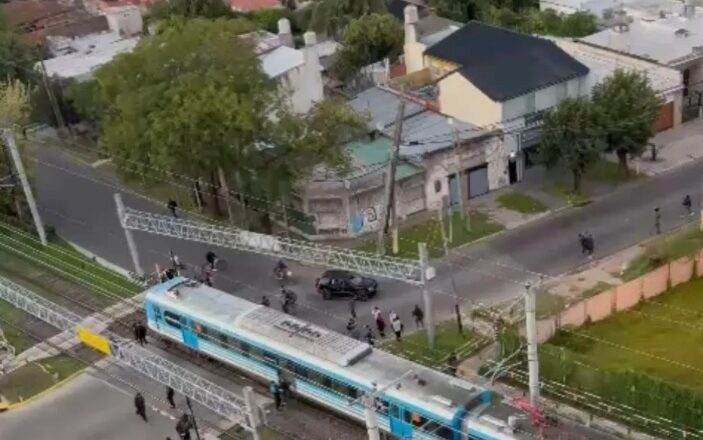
{"points": [[339, 354]]}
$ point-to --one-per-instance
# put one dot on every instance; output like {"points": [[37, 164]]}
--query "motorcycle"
{"points": [[282, 273], [288, 299]]}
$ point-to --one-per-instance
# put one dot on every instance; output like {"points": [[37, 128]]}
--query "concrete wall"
{"points": [[414, 57], [462, 100], [622, 297]]}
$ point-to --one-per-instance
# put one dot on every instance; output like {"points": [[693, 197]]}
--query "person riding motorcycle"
{"points": [[281, 270], [211, 258], [288, 299]]}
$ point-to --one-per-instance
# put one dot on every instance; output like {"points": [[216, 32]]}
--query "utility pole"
{"points": [[192, 418], [52, 98], [532, 357], [389, 193], [252, 413], [131, 244], [29, 196], [426, 296], [370, 418], [457, 169]]}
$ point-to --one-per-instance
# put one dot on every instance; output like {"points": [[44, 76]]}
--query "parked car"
{"points": [[340, 283]]}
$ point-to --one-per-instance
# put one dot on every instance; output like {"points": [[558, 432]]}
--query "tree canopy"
{"points": [[629, 107], [16, 57], [330, 17], [194, 100], [368, 39], [188, 8], [572, 136]]}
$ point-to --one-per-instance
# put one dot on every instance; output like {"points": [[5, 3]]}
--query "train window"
{"points": [[382, 407], [172, 319], [395, 412], [344, 389], [223, 340], [437, 430], [414, 418], [301, 371]]}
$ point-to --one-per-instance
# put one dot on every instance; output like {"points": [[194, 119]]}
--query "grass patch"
{"points": [[521, 202], [36, 377], [560, 191], [430, 232], [548, 304], [10, 319], [663, 250], [414, 346], [605, 171], [63, 261], [600, 287], [669, 327]]}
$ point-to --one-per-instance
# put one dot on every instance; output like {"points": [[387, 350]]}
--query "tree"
{"points": [[16, 58], [572, 135], [368, 39], [330, 17], [194, 100], [458, 10], [629, 107], [15, 110], [188, 8]]}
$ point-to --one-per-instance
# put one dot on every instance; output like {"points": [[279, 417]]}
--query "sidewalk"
{"points": [[676, 147]]}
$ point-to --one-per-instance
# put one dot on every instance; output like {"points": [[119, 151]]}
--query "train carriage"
{"points": [[326, 367]]}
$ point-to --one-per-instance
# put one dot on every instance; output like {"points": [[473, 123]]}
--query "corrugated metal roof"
{"points": [[429, 131], [382, 105]]}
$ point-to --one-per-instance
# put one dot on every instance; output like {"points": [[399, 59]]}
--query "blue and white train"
{"points": [[326, 367]]}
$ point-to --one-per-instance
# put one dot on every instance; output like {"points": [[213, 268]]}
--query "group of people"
{"points": [[287, 297], [185, 422], [396, 324]]}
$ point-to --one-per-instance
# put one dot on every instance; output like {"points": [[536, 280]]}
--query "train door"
{"points": [[399, 427], [190, 337], [153, 315]]}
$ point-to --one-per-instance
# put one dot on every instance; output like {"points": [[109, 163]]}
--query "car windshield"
{"points": [[356, 279]]}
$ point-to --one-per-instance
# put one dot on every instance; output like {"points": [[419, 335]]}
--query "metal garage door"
{"points": [[478, 181], [665, 118]]}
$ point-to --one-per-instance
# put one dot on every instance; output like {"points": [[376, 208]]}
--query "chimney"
{"points": [[313, 70], [410, 24], [284, 33]]}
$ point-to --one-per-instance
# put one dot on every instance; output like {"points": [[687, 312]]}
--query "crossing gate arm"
{"points": [[401, 269]]}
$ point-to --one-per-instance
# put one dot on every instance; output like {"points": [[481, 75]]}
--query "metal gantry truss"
{"points": [[297, 250], [212, 396]]}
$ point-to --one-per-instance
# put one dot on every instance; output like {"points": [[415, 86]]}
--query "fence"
{"points": [[622, 297]]}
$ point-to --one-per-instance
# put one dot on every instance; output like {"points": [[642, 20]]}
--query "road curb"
{"points": [[101, 261], [54, 387]]}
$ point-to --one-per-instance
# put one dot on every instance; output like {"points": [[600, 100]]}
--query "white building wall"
{"points": [[305, 82], [126, 21]]}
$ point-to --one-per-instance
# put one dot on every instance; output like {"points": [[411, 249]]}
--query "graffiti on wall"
{"points": [[365, 220]]}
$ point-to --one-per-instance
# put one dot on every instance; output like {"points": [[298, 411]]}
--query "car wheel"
{"points": [[363, 296], [326, 294]]}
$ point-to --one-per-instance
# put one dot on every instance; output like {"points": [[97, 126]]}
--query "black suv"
{"points": [[340, 283]]}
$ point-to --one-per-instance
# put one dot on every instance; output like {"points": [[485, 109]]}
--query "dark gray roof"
{"points": [[505, 64], [433, 23], [382, 105]]}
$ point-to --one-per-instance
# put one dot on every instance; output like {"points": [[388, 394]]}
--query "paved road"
{"points": [[77, 200], [95, 406]]}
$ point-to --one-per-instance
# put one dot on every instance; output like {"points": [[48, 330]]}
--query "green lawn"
{"points": [[564, 193], [414, 346], [663, 250], [430, 232], [10, 317], [605, 171], [35, 377], [63, 261], [669, 327], [521, 202], [548, 303]]}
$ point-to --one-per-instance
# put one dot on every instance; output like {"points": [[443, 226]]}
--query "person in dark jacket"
{"points": [[140, 406], [169, 397], [419, 316]]}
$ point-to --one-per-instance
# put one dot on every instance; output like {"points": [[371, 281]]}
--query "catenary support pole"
{"points": [[389, 209], [131, 244], [426, 296], [370, 417], [252, 413], [532, 358], [9, 136], [192, 418]]}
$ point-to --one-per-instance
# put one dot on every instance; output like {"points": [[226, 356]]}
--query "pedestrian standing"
{"points": [[276, 393], [169, 397], [184, 426], [351, 325], [368, 335], [419, 316], [380, 322], [141, 328], [136, 331], [172, 205], [265, 301], [582, 242], [589, 244], [352, 308], [687, 204], [657, 220], [452, 363], [140, 406], [396, 325]]}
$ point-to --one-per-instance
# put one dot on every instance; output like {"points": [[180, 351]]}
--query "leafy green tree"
{"points": [[629, 107], [17, 58], [330, 17], [572, 136], [15, 109], [188, 8], [368, 39], [578, 24], [458, 10]]}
